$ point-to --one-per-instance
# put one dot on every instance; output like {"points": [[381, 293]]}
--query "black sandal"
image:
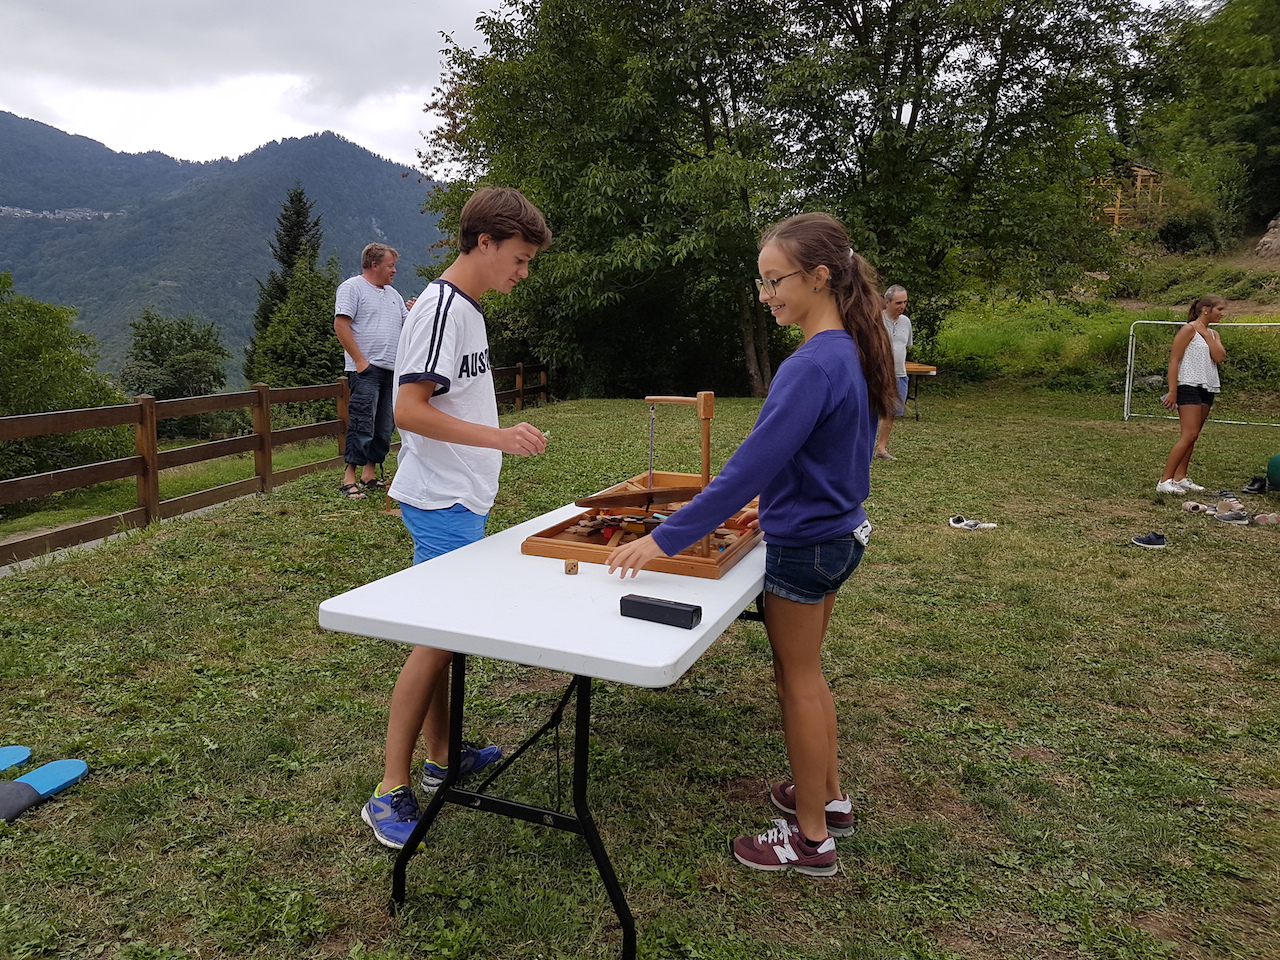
{"points": [[374, 484], [351, 491]]}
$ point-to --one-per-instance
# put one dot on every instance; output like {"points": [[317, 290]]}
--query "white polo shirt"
{"points": [[445, 342]]}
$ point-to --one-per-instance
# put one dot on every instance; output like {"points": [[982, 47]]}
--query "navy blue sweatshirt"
{"points": [[808, 457]]}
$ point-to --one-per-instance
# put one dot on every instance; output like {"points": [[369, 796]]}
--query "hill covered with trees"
{"points": [[113, 234]]}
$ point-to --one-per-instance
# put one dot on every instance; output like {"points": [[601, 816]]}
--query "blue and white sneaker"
{"points": [[473, 758], [392, 815]]}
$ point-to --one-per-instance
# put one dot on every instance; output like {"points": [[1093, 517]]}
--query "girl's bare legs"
{"points": [[808, 711], [419, 704], [1191, 418]]}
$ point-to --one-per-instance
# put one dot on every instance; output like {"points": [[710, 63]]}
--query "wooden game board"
{"points": [[593, 534]]}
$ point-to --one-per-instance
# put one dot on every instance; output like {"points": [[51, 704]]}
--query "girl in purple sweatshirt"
{"points": [[808, 459]]}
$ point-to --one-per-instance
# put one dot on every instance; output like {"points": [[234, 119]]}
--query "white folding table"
{"points": [[488, 599]]}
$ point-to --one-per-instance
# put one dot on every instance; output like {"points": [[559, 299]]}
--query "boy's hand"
{"points": [[750, 518], [523, 440], [634, 555]]}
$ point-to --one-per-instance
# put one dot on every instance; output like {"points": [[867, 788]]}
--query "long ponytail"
{"points": [[818, 239], [1201, 304]]}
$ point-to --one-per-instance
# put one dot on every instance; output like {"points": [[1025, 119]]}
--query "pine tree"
{"points": [[298, 239], [299, 347]]}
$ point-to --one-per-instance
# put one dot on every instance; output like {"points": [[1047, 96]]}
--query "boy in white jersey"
{"points": [[447, 471]]}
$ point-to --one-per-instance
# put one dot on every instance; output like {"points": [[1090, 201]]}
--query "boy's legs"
{"points": [[419, 704], [420, 699]]}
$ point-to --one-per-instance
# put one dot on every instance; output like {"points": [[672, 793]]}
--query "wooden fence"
{"points": [[145, 412]]}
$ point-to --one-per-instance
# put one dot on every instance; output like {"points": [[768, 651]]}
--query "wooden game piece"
{"points": [[571, 566], [616, 538]]}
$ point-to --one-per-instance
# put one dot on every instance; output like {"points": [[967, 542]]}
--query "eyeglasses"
{"points": [[770, 287]]}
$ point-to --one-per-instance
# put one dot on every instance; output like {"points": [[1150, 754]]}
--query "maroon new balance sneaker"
{"points": [[783, 847], [839, 812]]}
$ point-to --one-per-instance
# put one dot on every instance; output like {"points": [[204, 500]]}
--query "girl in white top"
{"points": [[1193, 386]]}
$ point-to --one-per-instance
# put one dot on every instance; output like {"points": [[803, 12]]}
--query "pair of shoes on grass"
{"points": [[394, 814], [1255, 485], [1267, 519], [783, 847], [1231, 510], [1185, 485], [1228, 511]]}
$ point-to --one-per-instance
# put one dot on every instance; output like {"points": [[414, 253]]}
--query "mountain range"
{"points": [[111, 234]]}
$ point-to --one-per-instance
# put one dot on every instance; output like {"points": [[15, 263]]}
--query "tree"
{"points": [[297, 241], [1210, 79], [46, 364], [174, 357], [959, 137], [956, 139], [634, 127], [299, 346]]}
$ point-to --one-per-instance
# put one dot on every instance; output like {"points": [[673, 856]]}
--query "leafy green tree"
{"points": [[172, 357], [297, 242], [635, 127], [1210, 82], [957, 139], [46, 364], [299, 347]]}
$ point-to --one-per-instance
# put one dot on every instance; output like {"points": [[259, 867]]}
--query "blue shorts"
{"points": [[437, 532], [903, 383], [808, 574]]}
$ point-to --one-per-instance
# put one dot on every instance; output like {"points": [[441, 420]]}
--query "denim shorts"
{"points": [[437, 532], [904, 384], [808, 574], [1192, 396]]}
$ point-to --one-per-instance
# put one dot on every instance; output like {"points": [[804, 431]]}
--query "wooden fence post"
{"points": [[146, 444], [344, 413], [262, 430], [542, 384], [519, 386]]}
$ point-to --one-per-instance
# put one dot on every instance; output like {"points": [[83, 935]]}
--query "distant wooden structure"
{"points": [[1133, 197]]}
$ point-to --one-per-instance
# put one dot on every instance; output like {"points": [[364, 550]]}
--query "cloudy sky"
{"points": [[202, 79]]}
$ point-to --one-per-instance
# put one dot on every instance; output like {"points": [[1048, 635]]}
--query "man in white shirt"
{"points": [[368, 316], [898, 325]]}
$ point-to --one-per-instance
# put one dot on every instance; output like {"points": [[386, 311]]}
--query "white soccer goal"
{"points": [[1133, 352]]}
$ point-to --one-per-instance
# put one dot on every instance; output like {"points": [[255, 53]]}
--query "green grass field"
{"points": [[1059, 745]]}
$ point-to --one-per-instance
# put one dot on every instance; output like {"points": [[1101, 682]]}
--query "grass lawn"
{"points": [[1059, 745]]}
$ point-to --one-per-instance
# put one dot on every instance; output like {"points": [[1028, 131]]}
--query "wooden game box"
{"points": [[708, 558]]}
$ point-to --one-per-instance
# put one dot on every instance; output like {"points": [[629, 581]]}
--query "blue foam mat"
{"points": [[54, 776], [13, 756]]}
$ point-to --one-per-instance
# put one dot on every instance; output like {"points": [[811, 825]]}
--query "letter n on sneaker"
{"points": [[780, 848]]}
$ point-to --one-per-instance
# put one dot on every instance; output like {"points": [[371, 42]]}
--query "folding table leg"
{"points": [[581, 823], [581, 766], [458, 687]]}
